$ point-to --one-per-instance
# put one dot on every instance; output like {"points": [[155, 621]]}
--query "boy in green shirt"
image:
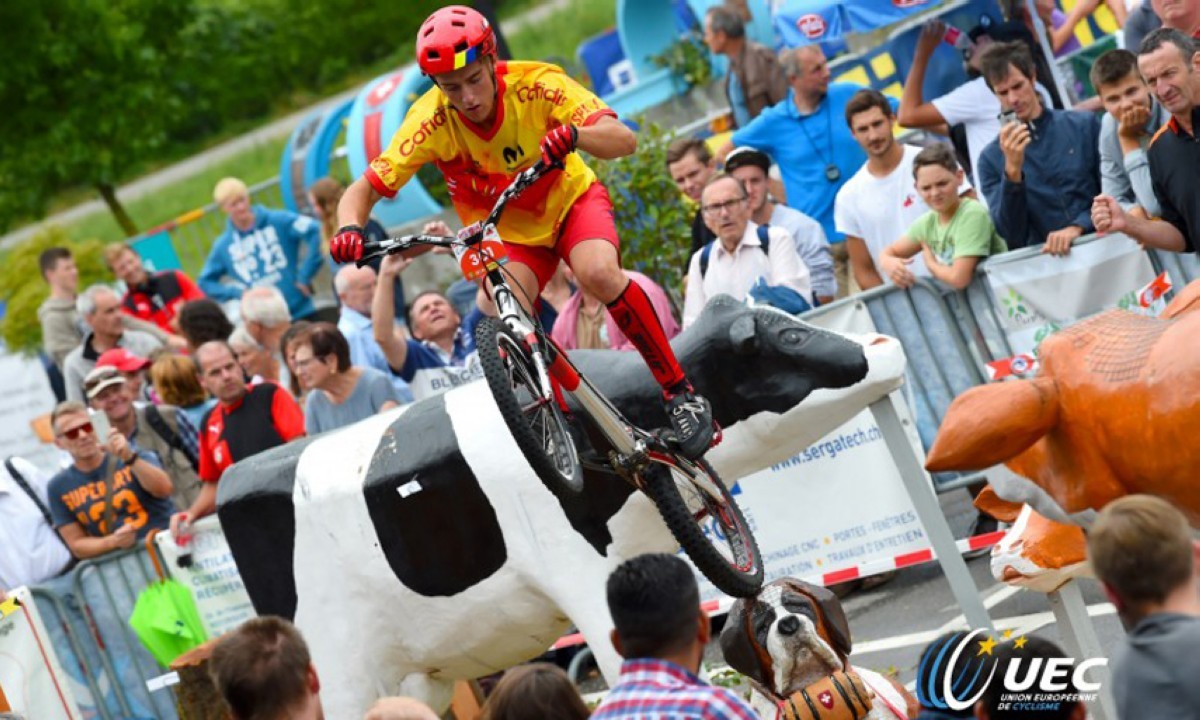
{"points": [[954, 235]]}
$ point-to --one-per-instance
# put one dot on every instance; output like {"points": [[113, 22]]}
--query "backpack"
{"points": [[780, 297], [159, 424], [764, 238]]}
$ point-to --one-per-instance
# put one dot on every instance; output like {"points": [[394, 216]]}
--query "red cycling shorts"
{"points": [[590, 218]]}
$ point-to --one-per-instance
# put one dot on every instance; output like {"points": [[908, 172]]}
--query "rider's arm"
{"points": [[607, 138], [356, 203], [383, 314]]}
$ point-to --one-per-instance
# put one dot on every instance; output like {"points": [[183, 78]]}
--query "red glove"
{"points": [[558, 144], [347, 245]]}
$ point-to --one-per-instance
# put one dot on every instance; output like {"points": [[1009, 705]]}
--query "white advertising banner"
{"points": [[837, 504], [1037, 295], [212, 577], [25, 395], [31, 676]]}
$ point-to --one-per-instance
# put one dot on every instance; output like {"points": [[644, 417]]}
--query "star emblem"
{"points": [[1020, 642], [986, 646], [1007, 634]]}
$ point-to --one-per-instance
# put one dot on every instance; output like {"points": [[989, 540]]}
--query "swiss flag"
{"points": [[826, 699], [1158, 287], [1022, 364]]}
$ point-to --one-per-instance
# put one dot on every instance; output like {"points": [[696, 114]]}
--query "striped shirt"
{"points": [[652, 689]]}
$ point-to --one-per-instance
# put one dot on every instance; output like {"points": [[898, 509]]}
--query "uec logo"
{"points": [[977, 672]]}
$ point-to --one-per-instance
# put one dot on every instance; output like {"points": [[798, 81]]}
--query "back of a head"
{"points": [[174, 378], [533, 692], [1141, 548], [265, 306], [262, 669], [203, 320], [655, 603], [1032, 649]]}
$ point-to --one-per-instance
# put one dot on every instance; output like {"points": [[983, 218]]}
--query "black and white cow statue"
{"points": [[418, 547]]}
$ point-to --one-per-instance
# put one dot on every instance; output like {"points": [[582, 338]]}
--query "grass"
{"points": [[259, 163], [555, 37], [560, 33]]}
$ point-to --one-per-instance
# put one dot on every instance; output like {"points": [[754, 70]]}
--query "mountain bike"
{"points": [[529, 377]]}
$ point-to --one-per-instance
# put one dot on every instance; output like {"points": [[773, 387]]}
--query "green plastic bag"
{"points": [[166, 621]]}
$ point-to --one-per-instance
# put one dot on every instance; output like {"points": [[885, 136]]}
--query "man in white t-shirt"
{"points": [[30, 549], [877, 205]]}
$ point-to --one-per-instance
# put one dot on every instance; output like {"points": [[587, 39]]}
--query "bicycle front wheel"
{"points": [[537, 424], [712, 532]]}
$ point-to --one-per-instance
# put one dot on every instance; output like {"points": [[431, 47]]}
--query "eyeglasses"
{"points": [[302, 363], [75, 432], [717, 208]]}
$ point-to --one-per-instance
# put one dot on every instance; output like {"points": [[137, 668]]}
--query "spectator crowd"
{"points": [[167, 381]]}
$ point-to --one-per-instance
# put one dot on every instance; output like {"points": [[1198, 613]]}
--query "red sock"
{"points": [[635, 316]]}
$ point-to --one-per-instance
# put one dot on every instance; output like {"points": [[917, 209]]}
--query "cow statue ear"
{"points": [[743, 335]]}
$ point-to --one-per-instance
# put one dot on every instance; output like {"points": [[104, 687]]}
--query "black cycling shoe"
{"points": [[692, 422]]}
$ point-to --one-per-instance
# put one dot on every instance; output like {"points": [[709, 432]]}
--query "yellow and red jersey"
{"points": [[479, 162]]}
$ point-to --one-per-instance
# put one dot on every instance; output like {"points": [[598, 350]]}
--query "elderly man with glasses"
{"points": [[741, 255]]}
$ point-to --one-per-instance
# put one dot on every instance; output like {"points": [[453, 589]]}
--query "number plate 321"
{"points": [[477, 260]]}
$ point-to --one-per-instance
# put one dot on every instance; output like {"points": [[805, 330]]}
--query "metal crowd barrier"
{"points": [[87, 614], [950, 335]]}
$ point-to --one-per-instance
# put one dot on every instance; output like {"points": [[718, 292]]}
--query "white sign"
{"points": [[1038, 295], [213, 577], [837, 504], [25, 395], [30, 674]]}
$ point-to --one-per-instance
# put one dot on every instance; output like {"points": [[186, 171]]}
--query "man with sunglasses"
{"points": [[487, 120], [110, 496]]}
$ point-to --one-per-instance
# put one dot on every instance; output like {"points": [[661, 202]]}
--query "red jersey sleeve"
{"points": [[287, 415]]}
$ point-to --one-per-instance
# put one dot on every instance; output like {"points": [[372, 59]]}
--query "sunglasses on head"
{"points": [[75, 432]]}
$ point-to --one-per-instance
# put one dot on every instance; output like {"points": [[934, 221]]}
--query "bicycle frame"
{"points": [[632, 446]]}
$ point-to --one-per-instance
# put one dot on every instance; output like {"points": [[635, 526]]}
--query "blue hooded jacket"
{"points": [[267, 254]]}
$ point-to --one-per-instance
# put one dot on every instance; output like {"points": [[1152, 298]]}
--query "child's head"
{"points": [[535, 691], [1118, 83], [937, 177]]}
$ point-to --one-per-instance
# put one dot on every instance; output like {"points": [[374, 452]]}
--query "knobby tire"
{"points": [[512, 377], [741, 573]]}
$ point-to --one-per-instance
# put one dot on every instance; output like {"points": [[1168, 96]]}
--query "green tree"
{"points": [[87, 96], [23, 291]]}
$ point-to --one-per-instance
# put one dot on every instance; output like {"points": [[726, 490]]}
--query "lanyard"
{"points": [[832, 173]]}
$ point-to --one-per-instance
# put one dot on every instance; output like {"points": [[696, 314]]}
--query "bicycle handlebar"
{"points": [[390, 246]]}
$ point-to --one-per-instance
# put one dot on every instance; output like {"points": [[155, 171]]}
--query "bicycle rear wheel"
{"points": [[538, 425], [712, 532]]}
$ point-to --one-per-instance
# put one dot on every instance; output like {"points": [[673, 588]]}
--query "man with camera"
{"points": [[1041, 173]]}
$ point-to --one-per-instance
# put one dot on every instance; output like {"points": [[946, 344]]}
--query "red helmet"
{"points": [[452, 38]]}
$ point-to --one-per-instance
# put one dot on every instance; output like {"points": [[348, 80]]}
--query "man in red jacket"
{"points": [[154, 297]]}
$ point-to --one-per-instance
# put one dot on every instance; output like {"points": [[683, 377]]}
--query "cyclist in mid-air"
{"points": [[483, 122]]}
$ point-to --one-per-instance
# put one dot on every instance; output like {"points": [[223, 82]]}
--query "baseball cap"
{"points": [[101, 377], [122, 359], [743, 156]]}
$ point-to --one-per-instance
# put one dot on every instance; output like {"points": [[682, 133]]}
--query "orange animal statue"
{"points": [[1113, 411]]}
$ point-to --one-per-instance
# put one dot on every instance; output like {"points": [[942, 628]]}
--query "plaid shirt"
{"points": [[651, 689]]}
